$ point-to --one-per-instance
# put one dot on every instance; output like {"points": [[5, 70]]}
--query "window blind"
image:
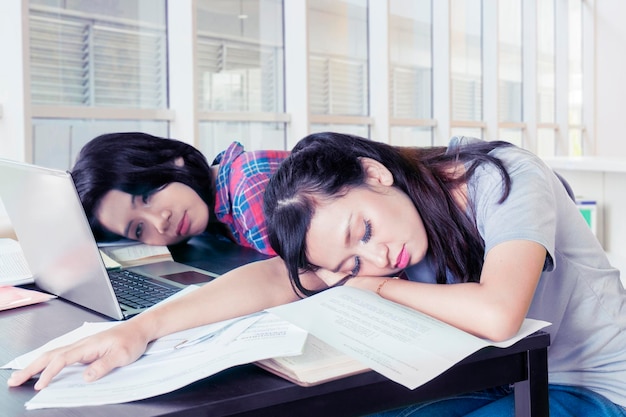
{"points": [[337, 86], [466, 98], [236, 76], [84, 61], [411, 93]]}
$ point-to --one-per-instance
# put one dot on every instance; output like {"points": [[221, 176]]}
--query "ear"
{"points": [[376, 172], [179, 162]]}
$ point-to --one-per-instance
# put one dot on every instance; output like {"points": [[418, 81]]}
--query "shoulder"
{"points": [[229, 154]]}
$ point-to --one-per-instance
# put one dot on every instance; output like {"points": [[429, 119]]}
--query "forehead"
{"points": [[113, 208]]}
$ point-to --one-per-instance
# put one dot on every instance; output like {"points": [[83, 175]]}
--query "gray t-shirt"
{"points": [[579, 292]]}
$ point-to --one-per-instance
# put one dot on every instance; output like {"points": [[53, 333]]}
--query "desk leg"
{"points": [[531, 395]]}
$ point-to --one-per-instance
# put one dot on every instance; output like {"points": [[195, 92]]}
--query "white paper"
{"points": [[402, 344], [172, 368], [162, 345]]}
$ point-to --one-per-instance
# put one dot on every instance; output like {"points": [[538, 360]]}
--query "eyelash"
{"points": [[367, 235]]}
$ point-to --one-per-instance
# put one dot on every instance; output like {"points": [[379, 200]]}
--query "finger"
{"points": [[110, 359], [101, 367], [51, 363], [35, 367], [18, 378]]}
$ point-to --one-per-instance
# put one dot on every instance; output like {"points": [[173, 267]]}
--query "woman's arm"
{"points": [[494, 308], [245, 290]]}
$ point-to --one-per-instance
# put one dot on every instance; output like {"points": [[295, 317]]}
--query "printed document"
{"points": [[400, 343], [170, 363]]}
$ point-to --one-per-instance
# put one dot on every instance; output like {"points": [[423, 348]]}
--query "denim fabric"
{"points": [[565, 401]]}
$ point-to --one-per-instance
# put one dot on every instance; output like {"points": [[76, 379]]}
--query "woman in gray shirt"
{"points": [[483, 235]]}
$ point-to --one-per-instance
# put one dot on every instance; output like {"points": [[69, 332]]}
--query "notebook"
{"points": [[62, 254]]}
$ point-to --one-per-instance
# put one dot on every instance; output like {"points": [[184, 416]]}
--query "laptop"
{"points": [[62, 253]]}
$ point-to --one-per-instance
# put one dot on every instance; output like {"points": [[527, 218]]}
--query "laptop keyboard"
{"points": [[139, 291]]}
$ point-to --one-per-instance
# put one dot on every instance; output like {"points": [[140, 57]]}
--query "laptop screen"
{"points": [[50, 223]]}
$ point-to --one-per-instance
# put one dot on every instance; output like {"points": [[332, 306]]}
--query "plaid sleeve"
{"points": [[249, 175]]}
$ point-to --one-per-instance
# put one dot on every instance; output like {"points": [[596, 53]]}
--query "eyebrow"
{"points": [[346, 242], [132, 204]]}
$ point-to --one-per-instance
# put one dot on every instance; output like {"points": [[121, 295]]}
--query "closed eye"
{"points": [[357, 266], [367, 235]]}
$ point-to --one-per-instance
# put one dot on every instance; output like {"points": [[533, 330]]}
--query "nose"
{"points": [[377, 254], [160, 220]]}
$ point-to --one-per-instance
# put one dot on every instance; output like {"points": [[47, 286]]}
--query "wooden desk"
{"points": [[250, 391]]}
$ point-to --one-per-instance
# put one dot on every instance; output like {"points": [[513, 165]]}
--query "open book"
{"points": [[318, 363], [132, 253]]}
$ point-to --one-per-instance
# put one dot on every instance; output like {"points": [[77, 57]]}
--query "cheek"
{"points": [[329, 278]]}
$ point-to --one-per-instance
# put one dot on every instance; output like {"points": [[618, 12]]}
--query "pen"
{"points": [[231, 330]]}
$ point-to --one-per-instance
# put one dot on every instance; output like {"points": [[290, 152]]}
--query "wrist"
{"points": [[382, 284]]}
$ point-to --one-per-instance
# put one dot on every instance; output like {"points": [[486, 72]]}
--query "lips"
{"points": [[403, 258], [183, 225]]}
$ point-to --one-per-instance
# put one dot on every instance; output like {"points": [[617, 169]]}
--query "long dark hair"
{"points": [[328, 164], [139, 164]]}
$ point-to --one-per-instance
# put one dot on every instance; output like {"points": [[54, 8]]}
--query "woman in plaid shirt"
{"points": [[162, 191]]}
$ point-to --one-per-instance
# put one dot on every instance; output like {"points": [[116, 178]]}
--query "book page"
{"points": [[13, 266], [318, 363], [400, 343], [132, 253]]}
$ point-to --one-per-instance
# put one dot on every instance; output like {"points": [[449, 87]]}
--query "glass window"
{"points": [[338, 54], [474, 132], [546, 142], [240, 56], [546, 78], [514, 136], [56, 142], [92, 54], [357, 130], [575, 78], [466, 59], [216, 136], [103, 55], [510, 60], [240, 69], [546, 73], [411, 136], [410, 55]]}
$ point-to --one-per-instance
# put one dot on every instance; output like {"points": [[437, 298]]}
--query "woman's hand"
{"points": [[105, 351]]}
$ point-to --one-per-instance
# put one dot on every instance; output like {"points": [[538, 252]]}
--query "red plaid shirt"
{"points": [[240, 184]]}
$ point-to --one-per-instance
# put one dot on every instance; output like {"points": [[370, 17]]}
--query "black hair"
{"points": [[327, 165], [138, 164]]}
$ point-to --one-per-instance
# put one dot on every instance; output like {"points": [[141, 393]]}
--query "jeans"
{"points": [[565, 401]]}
